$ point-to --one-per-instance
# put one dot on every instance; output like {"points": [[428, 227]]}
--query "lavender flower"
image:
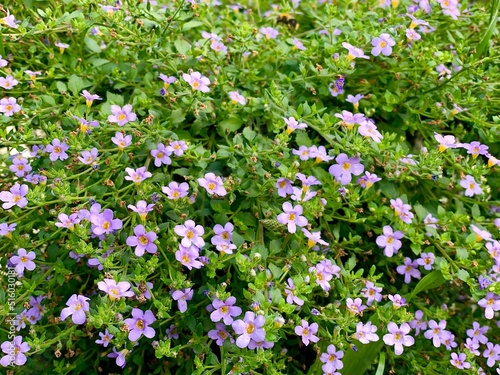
{"points": [[224, 310], [57, 150], [9, 106], [14, 350], [139, 324], [89, 98], [345, 168], [121, 141], [191, 233], [23, 260], [398, 337], [293, 124], [459, 361], [213, 184], [236, 97], [122, 115], [175, 190], [66, 221], [88, 157], [120, 356], [142, 241], [7, 229], [20, 166], [77, 305], [219, 334], [197, 81], [307, 332], [104, 223], [382, 44], [332, 359], [249, 328], [161, 154], [137, 175], [490, 303], [14, 197], [142, 208], [188, 256], [390, 241], [105, 338], [471, 186], [371, 292], [292, 216], [115, 290], [182, 296], [290, 291], [409, 269], [366, 332]]}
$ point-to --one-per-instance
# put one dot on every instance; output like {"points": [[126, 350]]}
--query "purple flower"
{"points": [[332, 359], [77, 305], [222, 234], [490, 303], [435, 332], [313, 238], [250, 328], [368, 180], [402, 210], [137, 175], [89, 98], [14, 350], [188, 256], [418, 324], [66, 221], [224, 310], [459, 361], [182, 296], [355, 306], [88, 157], [345, 168], [120, 356], [290, 292], [398, 336], [175, 190], [307, 332], [104, 223], [471, 186], [303, 152], [213, 184], [20, 166], [8, 82], [368, 129], [371, 292], [105, 338], [366, 332], [86, 126], [292, 216], [191, 233], [172, 332], [9, 106], [142, 241], [397, 301], [178, 147], [219, 334], [284, 186], [354, 52], [167, 81], [121, 141], [197, 81], [161, 154], [7, 229], [269, 32], [293, 124], [390, 241], [122, 115], [142, 208], [57, 150], [445, 142], [426, 260], [218, 46], [139, 324], [236, 97], [409, 269], [298, 44], [14, 197], [23, 260], [115, 290], [382, 44], [492, 353], [354, 99]]}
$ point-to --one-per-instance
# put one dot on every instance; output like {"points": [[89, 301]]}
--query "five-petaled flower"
{"points": [[292, 216], [122, 115], [139, 324], [77, 305], [307, 332]]}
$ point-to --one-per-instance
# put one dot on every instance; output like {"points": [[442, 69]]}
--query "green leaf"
{"points": [[495, 7], [475, 211], [182, 46], [61, 87], [177, 116], [249, 134], [430, 281], [231, 124], [191, 25], [92, 45], [75, 84]]}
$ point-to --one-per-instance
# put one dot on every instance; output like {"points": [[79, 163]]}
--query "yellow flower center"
{"points": [[78, 306], [222, 335], [282, 184], [224, 309], [57, 149], [390, 240], [397, 336], [20, 167], [106, 225], [332, 357], [190, 234], [24, 259], [176, 194], [139, 324], [211, 186], [121, 117], [225, 235], [17, 198], [160, 155], [185, 258], [250, 328], [8, 108], [291, 217], [383, 44], [196, 84], [346, 166]]}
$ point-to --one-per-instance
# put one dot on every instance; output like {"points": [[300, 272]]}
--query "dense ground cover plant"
{"points": [[222, 188]]}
